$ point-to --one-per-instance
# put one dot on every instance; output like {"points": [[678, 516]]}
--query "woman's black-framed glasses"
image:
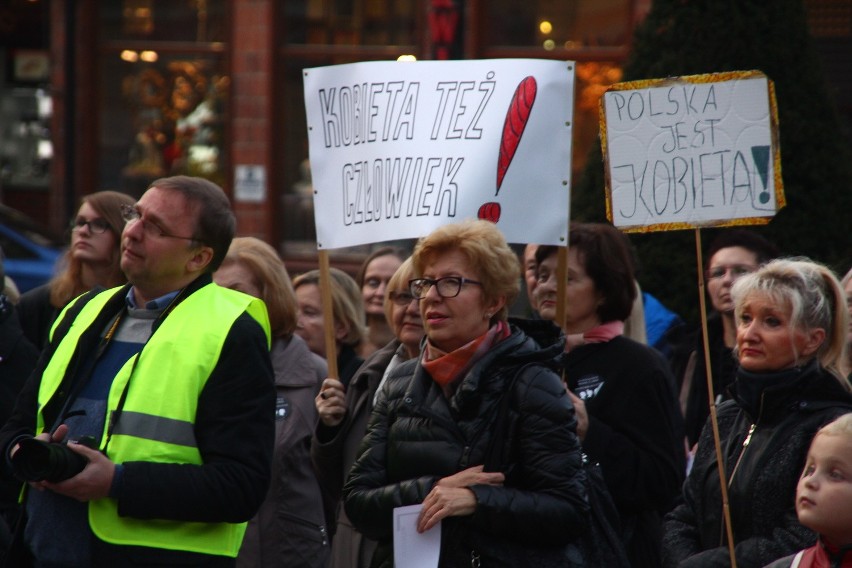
{"points": [[96, 226], [447, 287], [131, 214]]}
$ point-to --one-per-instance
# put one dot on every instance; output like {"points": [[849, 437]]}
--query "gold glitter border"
{"points": [[780, 199]]}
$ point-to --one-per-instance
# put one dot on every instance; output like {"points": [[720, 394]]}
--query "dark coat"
{"points": [[37, 314], [635, 432], [762, 494], [348, 362], [289, 529], [234, 430], [333, 451], [417, 436], [18, 358], [690, 371]]}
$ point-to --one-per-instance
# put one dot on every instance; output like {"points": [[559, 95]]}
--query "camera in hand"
{"points": [[37, 460]]}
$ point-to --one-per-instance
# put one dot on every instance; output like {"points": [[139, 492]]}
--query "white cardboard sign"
{"points": [[692, 151], [400, 148]]}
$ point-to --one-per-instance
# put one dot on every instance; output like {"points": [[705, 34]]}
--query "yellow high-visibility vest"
{"points": [[157, 418]]}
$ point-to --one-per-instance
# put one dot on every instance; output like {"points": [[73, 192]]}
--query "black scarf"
{"points": [[777, 388]]}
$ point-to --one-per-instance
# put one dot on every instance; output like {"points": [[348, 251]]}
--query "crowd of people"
{"points": [[166, 400]]}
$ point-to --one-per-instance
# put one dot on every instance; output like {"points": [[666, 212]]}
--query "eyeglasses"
{"points": [[401, 299], [96, 226], [374, 283], [736, 271], [447, 287], [131, 214]]}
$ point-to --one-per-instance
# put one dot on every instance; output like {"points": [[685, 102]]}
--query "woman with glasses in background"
{"points": [[373, 278], [505, 493], [732, 254], [344, 413], [91, 261]]}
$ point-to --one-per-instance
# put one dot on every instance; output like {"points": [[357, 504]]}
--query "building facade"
{"points": [[113, 94]]}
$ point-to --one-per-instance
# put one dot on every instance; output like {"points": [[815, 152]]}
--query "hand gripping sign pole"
{"points": [[691, 152]]}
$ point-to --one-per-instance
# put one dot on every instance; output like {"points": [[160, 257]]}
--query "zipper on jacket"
{"points": [[722, 533], [746, 442], [320, 528], [465, 459]]}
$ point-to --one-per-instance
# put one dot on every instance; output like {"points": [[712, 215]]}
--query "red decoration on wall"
{"points": [[443, 27]]}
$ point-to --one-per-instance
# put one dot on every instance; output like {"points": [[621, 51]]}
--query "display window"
{"points": [[164, 91]]}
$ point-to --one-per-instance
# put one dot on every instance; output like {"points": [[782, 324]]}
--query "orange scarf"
{"points": [[444, 368]]}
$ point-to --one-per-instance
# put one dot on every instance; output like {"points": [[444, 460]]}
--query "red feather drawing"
{"points": [[513, 127], [516, 121], [489, 211]]}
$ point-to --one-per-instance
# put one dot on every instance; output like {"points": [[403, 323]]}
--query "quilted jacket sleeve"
{"points": [[544, 500]]}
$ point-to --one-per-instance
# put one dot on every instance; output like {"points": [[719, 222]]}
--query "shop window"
{"points": [[556, 25], [164, 92], [350, 22], [594, 33], [26, 147], [318, 33], [163, 20]]}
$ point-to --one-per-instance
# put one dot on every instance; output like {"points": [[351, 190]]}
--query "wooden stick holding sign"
{"points": [[691, 152], [714, 422], [328, 314]]}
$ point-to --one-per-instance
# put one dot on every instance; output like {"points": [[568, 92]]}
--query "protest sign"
{"points": [[398, 149], [693, 151]]}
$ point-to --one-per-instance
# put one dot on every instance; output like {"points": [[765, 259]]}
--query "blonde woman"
{"points": [[790, 341], [348, 315], [289, 529], [433, 438]]}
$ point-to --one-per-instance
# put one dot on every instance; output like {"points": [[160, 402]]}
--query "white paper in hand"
{"points": [[410, 548]]}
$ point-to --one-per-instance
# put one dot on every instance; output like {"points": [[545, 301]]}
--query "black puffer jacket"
{"points": [[416, 437], [762, 493]]}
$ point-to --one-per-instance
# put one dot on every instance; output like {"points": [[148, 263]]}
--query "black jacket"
{"points": [[18, 358], [234, 429], [635, 432], [37, 314], [333, 451], [416, 436], [762, 494], [690, 371]]}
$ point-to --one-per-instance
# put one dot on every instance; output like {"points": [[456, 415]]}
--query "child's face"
{"points": [[824, 493]]}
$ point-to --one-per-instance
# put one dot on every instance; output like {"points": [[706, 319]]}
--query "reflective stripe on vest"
{"points": [[156, 423]]}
